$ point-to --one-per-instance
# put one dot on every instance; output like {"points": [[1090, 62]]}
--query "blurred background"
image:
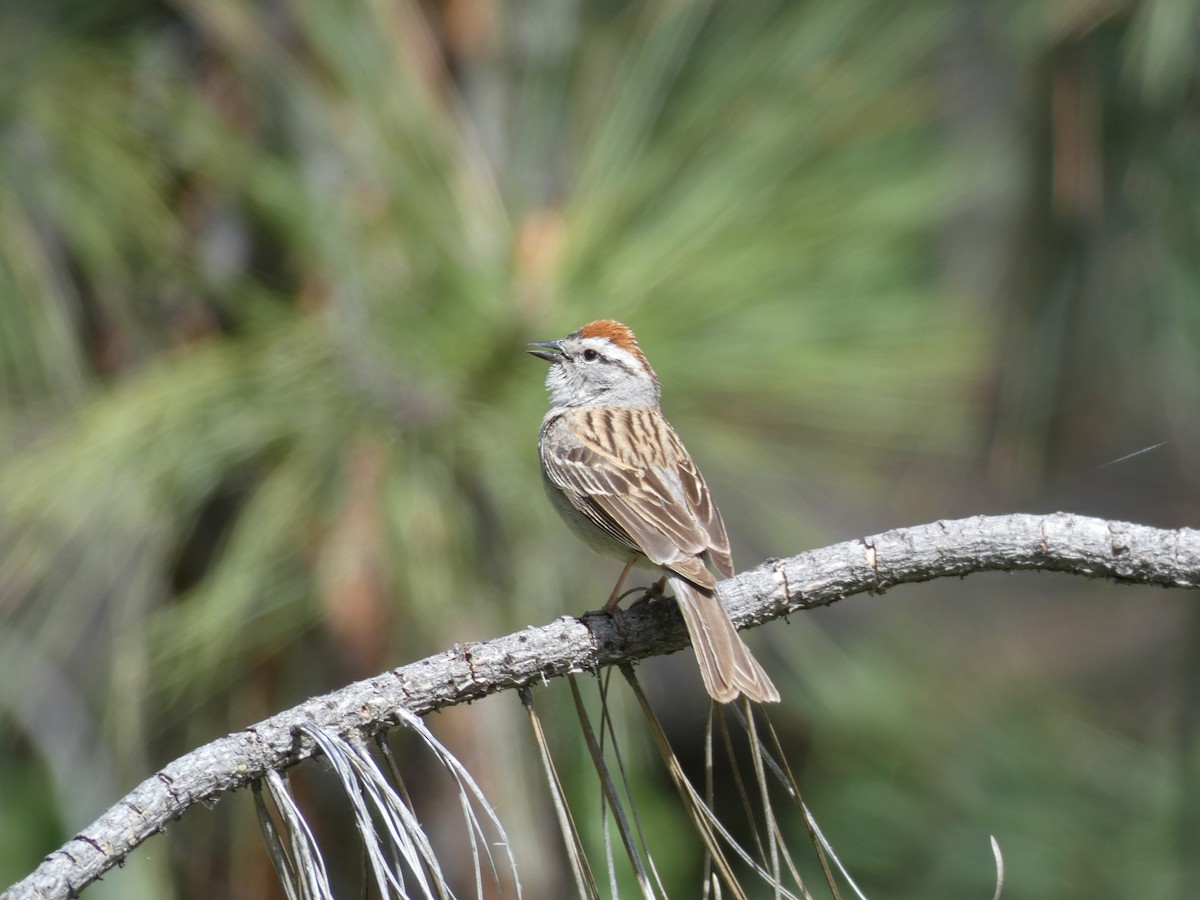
{"points": [[266, 424]]}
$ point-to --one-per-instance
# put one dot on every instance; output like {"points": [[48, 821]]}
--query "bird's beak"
{"points": [[552, 353]]}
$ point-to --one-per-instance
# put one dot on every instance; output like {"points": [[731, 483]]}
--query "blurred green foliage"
{"points": [[266, 273]]}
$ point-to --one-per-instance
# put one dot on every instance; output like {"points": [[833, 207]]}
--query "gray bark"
{"points": [[1132, 554]]}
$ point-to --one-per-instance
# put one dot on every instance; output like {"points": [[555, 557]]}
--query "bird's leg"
{"points": [[614, 599], [612, 608]]}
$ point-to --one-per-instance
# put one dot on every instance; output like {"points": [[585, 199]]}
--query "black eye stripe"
{"points": [[591, 355]]}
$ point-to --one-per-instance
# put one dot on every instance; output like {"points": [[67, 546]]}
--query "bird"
{"points": [[618, 474]]}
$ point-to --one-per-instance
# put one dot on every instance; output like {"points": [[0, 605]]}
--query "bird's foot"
{"points": [[613, 610], [654, 592]]}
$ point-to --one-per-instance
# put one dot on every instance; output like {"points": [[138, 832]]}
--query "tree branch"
{"points": [[1131, 554]]}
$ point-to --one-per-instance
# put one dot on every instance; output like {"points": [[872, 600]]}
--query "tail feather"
{"points": [[726, 663]]}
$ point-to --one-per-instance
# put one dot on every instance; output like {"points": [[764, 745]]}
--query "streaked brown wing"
{"points": [[704, 510], [664, 508]]}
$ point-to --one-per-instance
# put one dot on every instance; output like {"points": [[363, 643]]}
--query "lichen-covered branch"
{"points": [[1133, 554]]}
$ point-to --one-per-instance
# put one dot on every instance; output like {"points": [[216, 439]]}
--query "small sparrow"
{"points": [[618, 474]]}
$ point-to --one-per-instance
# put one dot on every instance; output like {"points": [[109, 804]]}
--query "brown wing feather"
{"points": [[663, 509], [707, 515]]}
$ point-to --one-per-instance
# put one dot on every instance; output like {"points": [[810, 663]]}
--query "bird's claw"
{"points": [[613, 610], [654, 592]]}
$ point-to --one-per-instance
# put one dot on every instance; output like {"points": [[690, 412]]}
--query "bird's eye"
{"points": [[590, 355]]}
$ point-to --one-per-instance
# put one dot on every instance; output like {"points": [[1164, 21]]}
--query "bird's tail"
{"points": [[726, 664]]}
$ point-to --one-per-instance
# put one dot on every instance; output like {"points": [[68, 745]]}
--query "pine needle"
{"points": [[821, 845], [611, 796], [708, 826], [999, 866], [585, 882], [298, 862]]}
